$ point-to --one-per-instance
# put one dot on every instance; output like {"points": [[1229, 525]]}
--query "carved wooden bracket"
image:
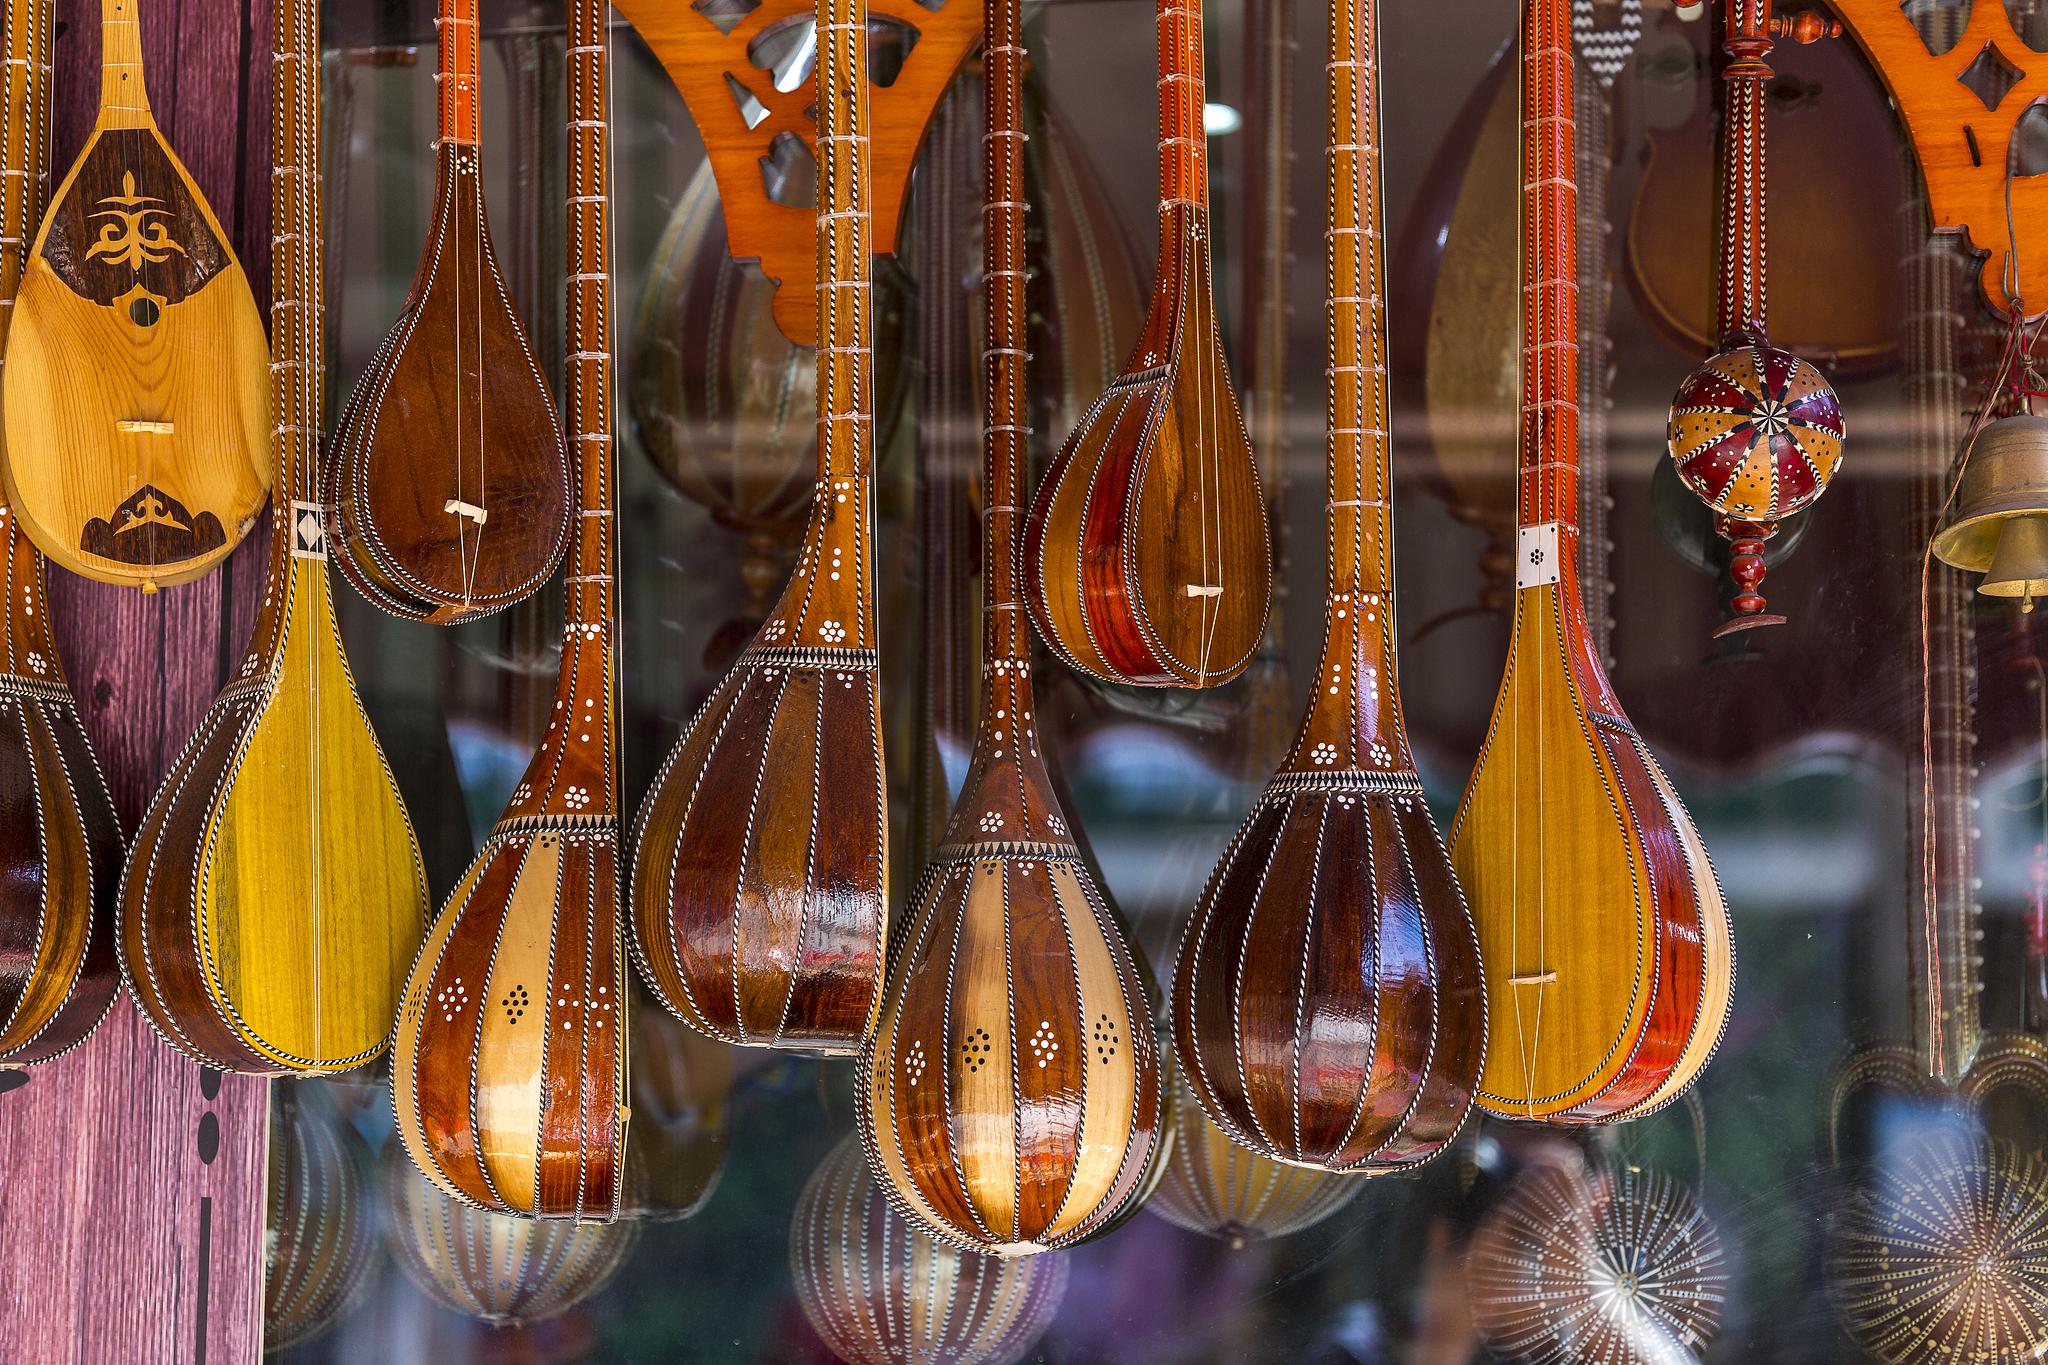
{"points": [[1961, 108], [745, 69]]}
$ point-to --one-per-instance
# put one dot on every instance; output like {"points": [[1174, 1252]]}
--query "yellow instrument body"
{"points": [[274, 897], [135, 397]]}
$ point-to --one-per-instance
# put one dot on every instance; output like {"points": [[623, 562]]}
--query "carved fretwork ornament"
{"points": [[745, 66], [1962, 106]]}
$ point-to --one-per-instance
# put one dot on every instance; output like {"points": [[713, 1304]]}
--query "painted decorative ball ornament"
{"points": [[1755, 433]]}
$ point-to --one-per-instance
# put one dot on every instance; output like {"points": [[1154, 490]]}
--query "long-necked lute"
{"points": [[447, 486], [1010, 1098], [134, 405], [1602, 931], [1146, 557], [60, 847], [274, 896], [761, 853], [1327, 1004], [509, 1068]]}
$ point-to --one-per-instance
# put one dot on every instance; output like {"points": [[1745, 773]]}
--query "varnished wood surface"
{"points": [[1011, 1095], [705, 65], [1607, 954], [760, 865], [106, 1178], [134, 309], [1327, 1004], [447, 484], [1147, 557], [59, 844], [1835, 183], [509, 1069], [1963, 148], [274, 894]]}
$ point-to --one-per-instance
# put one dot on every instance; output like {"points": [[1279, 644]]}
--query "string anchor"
{"points": [[1205, 590], [1534, 979], [466, 509]]}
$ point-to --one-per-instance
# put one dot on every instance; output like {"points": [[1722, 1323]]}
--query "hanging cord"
{"points": [[2014, 364]]}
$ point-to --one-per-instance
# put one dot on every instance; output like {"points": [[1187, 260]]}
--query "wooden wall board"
{"points": [[131, 1227]]}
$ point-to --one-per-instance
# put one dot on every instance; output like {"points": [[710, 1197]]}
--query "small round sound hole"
{"points": [[144, 312]]}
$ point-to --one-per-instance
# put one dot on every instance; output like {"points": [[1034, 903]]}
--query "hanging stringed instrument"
{"points": [[447, 486], [133, 403], [60, 846], [509, 1068], [274, 895], [1605, 941], [1755, 432], [761, 853], [1011, 1095], [1327, 1004], [1146, 555]]}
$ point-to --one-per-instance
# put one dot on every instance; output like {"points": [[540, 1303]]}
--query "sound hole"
{"points": [[144, 312]]}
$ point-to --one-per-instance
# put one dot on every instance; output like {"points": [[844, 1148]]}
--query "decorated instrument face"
{"points": [[136, 417]]}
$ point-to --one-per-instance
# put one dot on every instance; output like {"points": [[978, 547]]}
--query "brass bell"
{"points": [[2000, 524]]}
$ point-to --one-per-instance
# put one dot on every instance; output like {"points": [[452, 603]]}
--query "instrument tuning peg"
{"points": [[1804, 27]]}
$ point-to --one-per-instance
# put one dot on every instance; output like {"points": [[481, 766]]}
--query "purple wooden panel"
{"points": [[132, 1224]]}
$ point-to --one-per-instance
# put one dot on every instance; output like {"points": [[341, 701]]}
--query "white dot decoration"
{"points": [[1324, 754], [914, 1062], [576, 798], [832, 631], [1044, 1044], [991, 821]]}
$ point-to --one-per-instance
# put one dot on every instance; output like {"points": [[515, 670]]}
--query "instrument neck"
{"points": [[124, 101], [590, 335], [24, 146], [845, 316], [1005, 632], [1183, 145], [1359, 455], [456, 79], [1739, 301], [1549, 433], [296, 373]]}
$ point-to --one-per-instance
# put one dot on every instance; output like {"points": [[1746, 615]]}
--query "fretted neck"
{"points": [[1183, 149], [1360, 455], [24, 146], [456, 80], [295, 310], [1739, 301], [1549, 437], [590, 333], [1005, 632], [124, 103], [845, 322]]}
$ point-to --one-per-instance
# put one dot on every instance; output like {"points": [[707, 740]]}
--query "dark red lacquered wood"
{"points": [[1327, 1004]]}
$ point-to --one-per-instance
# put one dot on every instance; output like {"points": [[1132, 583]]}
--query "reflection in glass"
{"points": [[321, 1243]]}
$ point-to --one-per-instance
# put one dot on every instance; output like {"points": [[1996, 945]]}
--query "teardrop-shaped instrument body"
{"points": [[1011, 1095], [508, 1072], [60, 846], [1146, 556], [448, 484], [761, 853], [1327, 1002], [1608, 956], [274, 896], [1012, 1091], [134, 402]]}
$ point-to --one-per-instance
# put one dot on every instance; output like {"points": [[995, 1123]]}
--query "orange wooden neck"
{"points": [[295, 313], [1005, 632], [124, 101], [1549, 444], [457, 77], [845, 320], [1183, 145], [1360, 453]]}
